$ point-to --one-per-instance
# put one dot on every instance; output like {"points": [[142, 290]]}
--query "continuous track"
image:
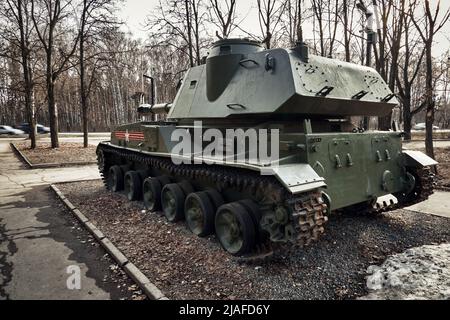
{"points": [[308, 211]]}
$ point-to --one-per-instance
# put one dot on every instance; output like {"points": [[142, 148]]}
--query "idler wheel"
{"points": [[115, 179], [235, 229], [133, 185], [152, 194], [172, 201], [200, 214]]}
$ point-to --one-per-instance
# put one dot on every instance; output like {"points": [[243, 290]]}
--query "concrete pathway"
{"points": [[438, 205], [36, 245]]}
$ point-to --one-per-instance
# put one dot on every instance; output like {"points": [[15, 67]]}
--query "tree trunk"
{"points": [[27, 76], [188, 22], [83, 93], [31, 117], [50, 82], [430, 101], [346, 31], [85, 128], [51, 101], [407, 118], [53, 115]]}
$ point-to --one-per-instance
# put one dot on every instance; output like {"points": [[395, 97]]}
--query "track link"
{"points": [[308, 210], [309, 218]]}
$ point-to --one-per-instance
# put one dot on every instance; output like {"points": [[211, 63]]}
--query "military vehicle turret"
{"points": [[203, 165]]}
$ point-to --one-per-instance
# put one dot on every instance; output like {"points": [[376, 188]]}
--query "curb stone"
{"points": [[149, 288], [152, 292], [70, 205], [120, 258], [93, 229], [47, 165], [21, 156], [78, 214]]}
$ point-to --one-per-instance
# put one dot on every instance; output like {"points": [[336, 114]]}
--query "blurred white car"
{"points": [[423, 127], [10, 131]]}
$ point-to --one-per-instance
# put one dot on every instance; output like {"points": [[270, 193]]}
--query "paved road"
{"points": [[36, 245]]}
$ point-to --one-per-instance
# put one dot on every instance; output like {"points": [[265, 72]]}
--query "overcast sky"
{"points": [[134, 13]]}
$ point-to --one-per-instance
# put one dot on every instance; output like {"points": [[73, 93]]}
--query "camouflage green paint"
{"points": [[242, 83]]}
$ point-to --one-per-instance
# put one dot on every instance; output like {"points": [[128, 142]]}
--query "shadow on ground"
{"points": [[37, 220]]}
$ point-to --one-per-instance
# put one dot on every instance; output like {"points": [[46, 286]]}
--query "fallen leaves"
{"points": [[66, 153]]}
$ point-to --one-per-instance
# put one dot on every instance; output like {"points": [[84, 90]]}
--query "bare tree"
{"points": [[18, 13], [96, 15], [199, 13], [346, 26], [179, 24], [223, 15], [444, 101], [409, 66], [428, 27], [326, 16], [270, 13], [47, 16], [187, 5], [391, 32], [294, 13]]}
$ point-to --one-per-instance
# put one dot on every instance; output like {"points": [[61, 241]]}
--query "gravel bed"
{"points": [[66, 153], [186, 267]]}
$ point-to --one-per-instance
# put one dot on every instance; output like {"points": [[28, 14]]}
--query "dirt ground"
{"points": [[67, 153], [186, 267]]}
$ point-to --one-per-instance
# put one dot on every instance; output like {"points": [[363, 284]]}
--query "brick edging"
{"points": [[47, 165], [133, 272]]}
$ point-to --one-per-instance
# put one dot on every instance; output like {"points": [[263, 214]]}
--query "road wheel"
{"points": [[144, 174], [216, 198], [187, 187], [164, 180], [152, 194], [200, 214], [235, 229], [133, 186], [255, 213], [172, 201], [115, 179]]}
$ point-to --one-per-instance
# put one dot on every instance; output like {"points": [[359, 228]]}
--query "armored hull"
{"points": [[242, 96]]}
